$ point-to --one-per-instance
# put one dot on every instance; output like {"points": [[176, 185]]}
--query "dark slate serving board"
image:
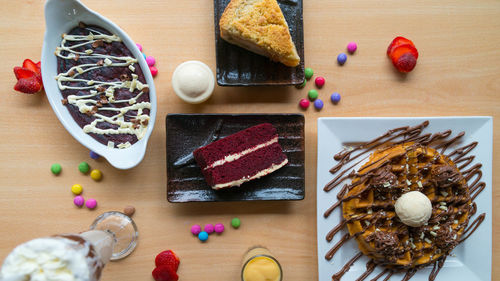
{"points": [[239, 67], [186, 132]]}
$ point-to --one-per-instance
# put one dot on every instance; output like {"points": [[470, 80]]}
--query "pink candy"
{"points": [[219, 228], [150, 60], [196, 229], [351, 47], [209, 228], [139, 46], [91, 203], [154, 70], [319, 81], [79, 201], [304, 103]]}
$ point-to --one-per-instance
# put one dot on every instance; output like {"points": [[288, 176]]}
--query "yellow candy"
{"points": [[96, 175], [76, 189]]}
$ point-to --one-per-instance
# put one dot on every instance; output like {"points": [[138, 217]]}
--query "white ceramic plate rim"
{"points": [[60, 17], [472, 260]]}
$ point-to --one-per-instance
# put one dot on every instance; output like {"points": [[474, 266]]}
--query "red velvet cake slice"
{"points": [[241, 157]]}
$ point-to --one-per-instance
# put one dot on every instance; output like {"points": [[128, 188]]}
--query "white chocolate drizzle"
{"points": [[87, 104]]}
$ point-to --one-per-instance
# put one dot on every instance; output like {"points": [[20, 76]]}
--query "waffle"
{"points": [[368, 206]]}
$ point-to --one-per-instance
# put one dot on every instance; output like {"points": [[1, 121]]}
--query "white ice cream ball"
{"points": [[413, 208]]}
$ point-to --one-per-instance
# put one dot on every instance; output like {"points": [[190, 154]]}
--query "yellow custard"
{"points": [[260, 265]]}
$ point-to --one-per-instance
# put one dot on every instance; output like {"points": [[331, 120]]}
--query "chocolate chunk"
{"points": [[386, 243], [145, 90], [97, 43], [446, 239], [383, 178], [445, 176]]}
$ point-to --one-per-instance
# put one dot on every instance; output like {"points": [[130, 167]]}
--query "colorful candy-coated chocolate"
{"points": [[203, 236], [56, 168], [235, 222], [77, 189], [91, 203], [319, 81], [318, 104], [129, 210], [312, 94], [351, 47], [308, 72], [341, 58], [144, 55], [219, 228], [83, 167], [301, 85], [154, 71], [78, 201], [150, 60], [196, 229], [94, 155], [335, 97], [209, 228], [96, 175], [139, 46], [304, 103]]}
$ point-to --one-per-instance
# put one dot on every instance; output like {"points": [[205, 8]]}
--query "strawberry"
{"points": [[28, 85], [398, 41], [29, 64], [165, 273], [22, 72], [167, 258], [405, 63]]}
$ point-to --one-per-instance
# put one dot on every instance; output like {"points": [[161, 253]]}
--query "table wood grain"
{"points": [[458, 73]]}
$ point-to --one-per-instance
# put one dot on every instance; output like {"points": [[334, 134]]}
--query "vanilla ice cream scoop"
{"points": [[193, 81], [413, 208]]}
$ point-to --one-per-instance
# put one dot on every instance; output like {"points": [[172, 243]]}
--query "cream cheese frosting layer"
{"points": [[236, 156]]}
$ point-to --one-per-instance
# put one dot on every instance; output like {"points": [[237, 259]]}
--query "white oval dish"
{"points": [[60, 17]]}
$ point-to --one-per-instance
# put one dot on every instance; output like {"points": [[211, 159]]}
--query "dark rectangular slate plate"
{"points": [[186, 132], [239, 67]]}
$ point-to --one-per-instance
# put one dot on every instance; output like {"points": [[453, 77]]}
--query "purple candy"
{"points": [[318, 104], [94, 155], [335, 97], [351, 47], [79, 201], [91, 203], [150, 60], [219, 228], [209, 228], [196, 229]]}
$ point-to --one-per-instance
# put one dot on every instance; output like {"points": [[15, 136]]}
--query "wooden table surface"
{"points": [[458, 73]]}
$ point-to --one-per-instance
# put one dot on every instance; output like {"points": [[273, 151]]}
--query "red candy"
{"points": [[319, 81], [154, 70], [304, 103]]}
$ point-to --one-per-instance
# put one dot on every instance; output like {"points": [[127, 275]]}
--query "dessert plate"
{"points": [[187, 132], [239, 67], [60, 17], [471, 259]]}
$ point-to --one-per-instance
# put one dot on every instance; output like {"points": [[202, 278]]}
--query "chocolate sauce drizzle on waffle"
{"points": [[445, 237]]}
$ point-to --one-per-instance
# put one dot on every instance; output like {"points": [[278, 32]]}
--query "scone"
{"points": [[259, 26]]}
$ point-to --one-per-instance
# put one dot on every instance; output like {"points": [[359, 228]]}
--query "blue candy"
{"points": [[203, 236], [318, 104], [144, 55], [341, 58], [94, 155], [335, 97]]}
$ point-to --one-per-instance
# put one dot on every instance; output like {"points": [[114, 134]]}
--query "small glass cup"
{"points": [[254, 258]]}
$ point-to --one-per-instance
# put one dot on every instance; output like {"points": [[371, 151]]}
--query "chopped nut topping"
{"points": [[98, 104], [82, 25], [77, 57], [71, 73], [125, 77], [103, 99], [144, 122], [145, 90], [100, 63], [97, 43], [64, 101], [101, 89]]}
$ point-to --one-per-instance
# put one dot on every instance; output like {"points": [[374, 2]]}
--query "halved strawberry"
{"points": [[29, 64], [22, 72], [28, 85], [403, 49], [167, 258], [164, 273], [398, 41], [405, 63]]}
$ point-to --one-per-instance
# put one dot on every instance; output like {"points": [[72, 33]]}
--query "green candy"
{"points": [[301, 85], [84, 167], [56, 169], [309, 73], [235, 222], [312, 94]]}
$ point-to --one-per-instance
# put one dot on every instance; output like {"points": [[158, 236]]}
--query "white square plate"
{"points": [[472, 258]]}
